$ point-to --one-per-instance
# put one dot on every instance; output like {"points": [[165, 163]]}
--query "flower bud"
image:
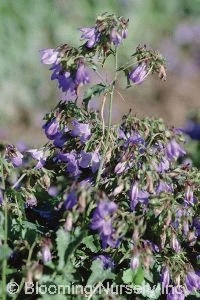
{"points": [[135, 262]]}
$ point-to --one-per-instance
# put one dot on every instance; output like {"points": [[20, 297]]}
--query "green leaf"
{"points": [[62, 240], [5, 252], [128, 276], [135, 277], [99, 274], [95, 90], [88, 241]]}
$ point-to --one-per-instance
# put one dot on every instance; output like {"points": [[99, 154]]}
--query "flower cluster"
{"points": [[68, 67], [108, 30]]}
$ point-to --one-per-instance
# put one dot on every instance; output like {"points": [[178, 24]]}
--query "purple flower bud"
{"points": [[175, 244], [82, 75], [134, 195], [139, 73], [49, 56], [14, 156], [135, 262], [115, 37], [95, 161], [1, 196], [120, 167], [46, 250], [165, 277], [189, 195]]}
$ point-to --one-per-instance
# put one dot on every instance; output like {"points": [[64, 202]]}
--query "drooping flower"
{"points": [[174, 150], [82, 75], [91, 35], [193, 130], [102, 221], [82, 130], [176, 293], [175, 244], [14, 156], [46, 250], [165, 277], [137, 195], [72, 162], [189, 196], [40, 156], [192, 281], [71, 200], [163, 187], [85, 159], [49, 56], [139, 73], [52, 129]]}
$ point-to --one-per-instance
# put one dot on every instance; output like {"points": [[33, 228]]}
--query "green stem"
{"points": [[4, 263], [109, 125]]}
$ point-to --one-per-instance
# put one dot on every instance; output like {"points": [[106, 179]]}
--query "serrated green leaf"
{"points": [[98, 273], [62, 240], [95, 90], [88, 241]]}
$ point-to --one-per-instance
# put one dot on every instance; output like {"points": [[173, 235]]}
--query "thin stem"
{"points": [[4, 263], [109, 124], [4, 269]]}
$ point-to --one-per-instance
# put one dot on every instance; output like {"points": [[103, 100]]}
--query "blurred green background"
{"points": [[26, 92]]}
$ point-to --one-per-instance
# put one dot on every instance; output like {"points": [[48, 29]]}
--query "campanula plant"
{"points": [[110, 208]]}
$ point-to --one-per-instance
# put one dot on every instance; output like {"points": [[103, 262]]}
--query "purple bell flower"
{"points": [[174, 150], [192, 281], [176, 293], [82, 75], [139, 73], [85, 160], [52, 129], [137, 196], [193, 130], [49, 56], [40, 156], [91, 35], [82, 130], [71, 200], [165, 277], [102, 221]]}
